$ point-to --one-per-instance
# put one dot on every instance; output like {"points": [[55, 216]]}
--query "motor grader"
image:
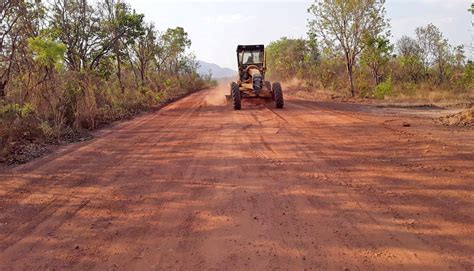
{"points": [[251, 84]]}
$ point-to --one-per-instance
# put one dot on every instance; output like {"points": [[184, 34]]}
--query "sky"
{"points": [[216, 27]]}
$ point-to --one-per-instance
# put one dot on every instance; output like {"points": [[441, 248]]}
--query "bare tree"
{"points": [[435, 49], [76, 24], [19, 20], [10, 12]]}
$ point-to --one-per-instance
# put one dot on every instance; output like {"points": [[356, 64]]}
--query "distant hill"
{"points": [[216, 70]]}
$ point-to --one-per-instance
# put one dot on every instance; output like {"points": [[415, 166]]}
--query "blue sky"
{"points": [[216, 27]]}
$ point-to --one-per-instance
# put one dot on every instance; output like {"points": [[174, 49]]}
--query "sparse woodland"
{"points": [[69, 65], [349, 52]]}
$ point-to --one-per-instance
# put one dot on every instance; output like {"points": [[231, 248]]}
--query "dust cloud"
{"points": [[293, 84], [216, 96]]}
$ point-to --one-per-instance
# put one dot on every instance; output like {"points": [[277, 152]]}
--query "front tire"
{"points": [[236, 97], [278, 95]]}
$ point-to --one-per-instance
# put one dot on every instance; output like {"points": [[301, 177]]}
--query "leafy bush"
{"points": [[47, 130], [47, 52], [16, 110], [468, 75], [383, 89]]}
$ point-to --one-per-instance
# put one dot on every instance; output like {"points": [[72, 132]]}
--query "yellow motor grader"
{"points": [[251, 84]]}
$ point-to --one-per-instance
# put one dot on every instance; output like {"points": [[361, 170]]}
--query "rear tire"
{"points": [[236, 97], [278, 95]]}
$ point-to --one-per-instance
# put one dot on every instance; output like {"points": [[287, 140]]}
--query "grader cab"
{"points": [[252, 84]]}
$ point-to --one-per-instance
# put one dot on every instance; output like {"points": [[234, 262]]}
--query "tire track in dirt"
{"points": [[356, 190], [200, 186], [60, 212]]}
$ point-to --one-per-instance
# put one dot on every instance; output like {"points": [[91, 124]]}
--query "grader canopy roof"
{"points": [[241, 48], [250, 54]]}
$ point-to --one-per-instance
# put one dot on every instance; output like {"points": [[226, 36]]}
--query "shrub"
{"points": [[468, 75], [383, 89], [15, 110]]}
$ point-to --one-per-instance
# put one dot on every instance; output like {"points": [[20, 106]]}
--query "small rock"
{"points": [[140, 255], [406, 124]]}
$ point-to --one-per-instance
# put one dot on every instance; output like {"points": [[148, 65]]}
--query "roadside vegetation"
{"points": [[68, 66], [348, 52]]}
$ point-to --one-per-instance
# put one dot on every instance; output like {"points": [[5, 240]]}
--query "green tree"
{"points": [[93, 33], [459, 57], [145, 49], [172, 48], [343, 23], [435, 50], [314, 53], [121, 26], [376, 54], [409, 56], [468, 75], [287, 57], [47, 53]]}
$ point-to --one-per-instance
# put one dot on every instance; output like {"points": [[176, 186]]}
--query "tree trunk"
{"points": [[375, 74], [142, 73], [3, 85], [135, 72], [119, 73], [441, 73], [350, 72]]}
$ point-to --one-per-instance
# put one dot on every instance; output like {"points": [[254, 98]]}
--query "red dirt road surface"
{"points": [[199, 186]]}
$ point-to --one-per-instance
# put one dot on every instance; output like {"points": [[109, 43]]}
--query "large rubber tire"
{"points": [[236, 97], [278, 95]]}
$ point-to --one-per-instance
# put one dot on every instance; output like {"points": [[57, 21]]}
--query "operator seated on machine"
{"points": [[248, 61]]}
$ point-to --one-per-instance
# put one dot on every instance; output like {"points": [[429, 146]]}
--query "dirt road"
{"points": [[198, 186]]}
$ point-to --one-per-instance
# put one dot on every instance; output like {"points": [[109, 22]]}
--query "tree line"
{"points": [[351, 39], [69, 64]]}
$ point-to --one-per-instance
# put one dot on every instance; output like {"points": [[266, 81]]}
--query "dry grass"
{"points": [[425, 94], [465, 118], [26, 131], [403, 95]]}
